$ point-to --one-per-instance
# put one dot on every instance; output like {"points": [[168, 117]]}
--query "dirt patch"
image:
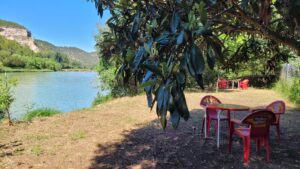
{"points": [[124, 134]]}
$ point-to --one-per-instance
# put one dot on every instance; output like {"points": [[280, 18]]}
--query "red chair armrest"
{"points": [[236, 121]]}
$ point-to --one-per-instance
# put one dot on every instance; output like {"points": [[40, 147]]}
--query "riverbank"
{"points": [[12, 70], [122, 133]]}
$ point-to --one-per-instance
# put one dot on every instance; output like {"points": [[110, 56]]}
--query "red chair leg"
{"points": [[217, 125], [246, 141], [278, 132], [267, 147], [231, 130], [208, 126], [257, 144], [203, 121]]}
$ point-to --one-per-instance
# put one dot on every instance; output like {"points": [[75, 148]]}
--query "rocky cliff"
{"points": [[20, 35]]}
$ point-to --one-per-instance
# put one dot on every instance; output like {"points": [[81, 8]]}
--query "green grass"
{"points": [[37, 150], [10, 24], [100, 99], [78, 135], [42, 112]]}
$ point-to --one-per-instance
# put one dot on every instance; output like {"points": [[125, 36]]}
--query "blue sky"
{"points": [[61, 22]]}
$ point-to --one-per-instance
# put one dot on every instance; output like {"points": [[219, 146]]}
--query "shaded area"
{"points": [[151, 147]]}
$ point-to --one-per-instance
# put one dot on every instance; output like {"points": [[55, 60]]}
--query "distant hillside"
{"points": [[20, 34], [76, 54]]}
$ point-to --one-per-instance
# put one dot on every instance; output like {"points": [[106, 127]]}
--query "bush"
{"points": [[101, 99], [1, 67], [15, 61], [294, 94], [42, 112], [290, 89], [6, 98]]}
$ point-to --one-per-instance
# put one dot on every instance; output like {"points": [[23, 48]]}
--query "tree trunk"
{"points": [[10, 123]]}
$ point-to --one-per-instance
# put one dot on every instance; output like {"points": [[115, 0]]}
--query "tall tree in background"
{"points": [[157, 43]]}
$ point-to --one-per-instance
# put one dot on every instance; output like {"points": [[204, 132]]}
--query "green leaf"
{"points": [[164, 38], [180, 103], [203, 13], [151, 67], [160, 98], [180, 38], [148, 50], [203, 31], [174, 22], [211, 58], [180, 78], [175, 118], [138, 58], [148, 83], [197, 60], [135, 25]]}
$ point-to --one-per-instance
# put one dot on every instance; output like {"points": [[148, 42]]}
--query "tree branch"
{"points": [[262, 29]]}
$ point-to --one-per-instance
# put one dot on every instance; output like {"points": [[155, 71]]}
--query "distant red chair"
{"points": [[211, 114], [278, 108], [258, 129], [244, 84], [222, 84]]}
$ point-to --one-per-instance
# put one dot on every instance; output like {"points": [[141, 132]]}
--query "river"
{"points": [[64, 91]]}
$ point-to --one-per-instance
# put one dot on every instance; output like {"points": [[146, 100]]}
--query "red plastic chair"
{"points": [[278, 108], [244, 84], [222, 84], [211, 114], [258, 129]]}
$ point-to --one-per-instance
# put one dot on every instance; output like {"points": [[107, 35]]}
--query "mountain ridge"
{"points": [[22, 35]]}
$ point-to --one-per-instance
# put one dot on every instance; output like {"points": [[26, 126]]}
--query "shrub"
{"points": [[15, 61], [42, 112], [290, 89], [294, 94], [6, 97]]}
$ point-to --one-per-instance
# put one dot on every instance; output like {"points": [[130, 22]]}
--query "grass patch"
{"points": [[43, 112], [37, 150], [100, 99], [37, 137], [78, 135]]}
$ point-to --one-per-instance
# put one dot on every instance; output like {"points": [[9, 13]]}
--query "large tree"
{"points": [[157, 43]]}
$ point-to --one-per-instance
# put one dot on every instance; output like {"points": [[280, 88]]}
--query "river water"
{"points": [[64, 91]]}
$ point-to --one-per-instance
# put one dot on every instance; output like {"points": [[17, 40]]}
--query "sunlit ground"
{"points": [[124, 134]]}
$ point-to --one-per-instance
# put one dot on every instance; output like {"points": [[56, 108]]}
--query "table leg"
{"points": [[218, 133], [205, 121]]}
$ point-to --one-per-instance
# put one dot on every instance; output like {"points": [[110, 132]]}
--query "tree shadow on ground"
{"points": [[151, 147]]}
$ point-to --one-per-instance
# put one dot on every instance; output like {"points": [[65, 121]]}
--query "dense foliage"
{"points": [[157, 43], [14, 55]]}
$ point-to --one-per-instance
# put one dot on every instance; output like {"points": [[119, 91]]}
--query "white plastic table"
{"points": [[220, 108]]}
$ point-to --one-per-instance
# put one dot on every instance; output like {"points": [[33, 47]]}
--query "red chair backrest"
{"points": [[277, 107], [209, 99], [259, 122]]}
